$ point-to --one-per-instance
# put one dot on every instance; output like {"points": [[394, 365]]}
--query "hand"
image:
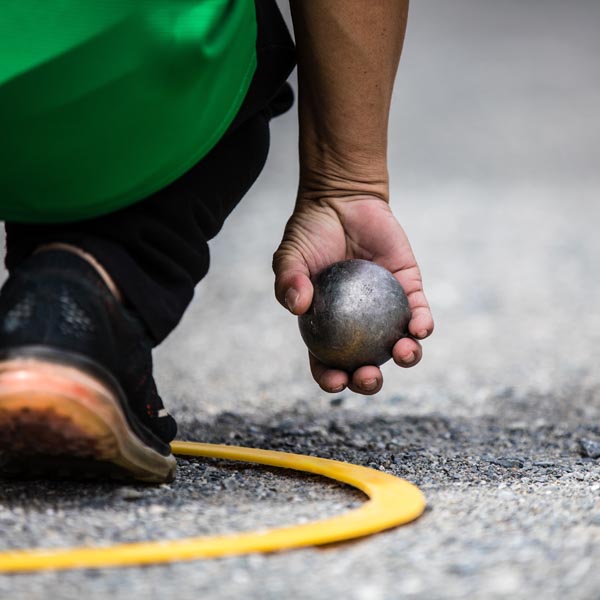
{"points": [[321, 232]]}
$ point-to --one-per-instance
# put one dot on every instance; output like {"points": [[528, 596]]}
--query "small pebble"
{"points": [[507, 463], [130, 494], [590, 448]]}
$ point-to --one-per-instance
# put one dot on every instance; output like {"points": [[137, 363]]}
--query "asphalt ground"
{"points": [[494, 162]]}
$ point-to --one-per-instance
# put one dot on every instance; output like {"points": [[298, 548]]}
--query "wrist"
{"points": [[333, 163], [324, 177]]}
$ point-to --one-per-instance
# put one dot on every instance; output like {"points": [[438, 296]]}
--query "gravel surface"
{"points": [[494, 159]]}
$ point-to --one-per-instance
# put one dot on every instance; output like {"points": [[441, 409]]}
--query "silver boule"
{"points": [[359, 311]]}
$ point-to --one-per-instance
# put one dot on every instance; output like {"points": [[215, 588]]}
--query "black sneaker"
{"points": [[77, 396]]}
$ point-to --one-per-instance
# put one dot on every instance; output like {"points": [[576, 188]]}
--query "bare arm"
{"points": [[348, 53]]}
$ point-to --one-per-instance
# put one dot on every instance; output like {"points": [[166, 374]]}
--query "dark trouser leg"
{"points": [[157, 249]]}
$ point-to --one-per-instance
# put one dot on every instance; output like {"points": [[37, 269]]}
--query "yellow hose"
{"points": [[392, 501]]}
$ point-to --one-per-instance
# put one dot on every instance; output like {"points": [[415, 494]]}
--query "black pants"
{"points": [[157, 249]]}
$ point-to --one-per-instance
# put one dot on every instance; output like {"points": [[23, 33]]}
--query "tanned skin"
{"points": [[348, 54]]}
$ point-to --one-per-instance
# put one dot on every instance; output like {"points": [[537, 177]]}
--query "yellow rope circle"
{"points": [[392, 502]]}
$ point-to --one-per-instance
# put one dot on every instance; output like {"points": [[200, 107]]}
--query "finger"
{"points": [[407, 352], [421, 323], [329, 380], [366, 380], [293, 287]]}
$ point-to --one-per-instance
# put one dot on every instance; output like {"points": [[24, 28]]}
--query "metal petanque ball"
{"points": [[359, 311]]}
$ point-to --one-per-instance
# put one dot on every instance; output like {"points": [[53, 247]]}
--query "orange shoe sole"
{"points": [[57, 421]]}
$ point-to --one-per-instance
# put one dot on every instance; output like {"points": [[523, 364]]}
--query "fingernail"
{"points": [[410, 358], [422, 334], [291, 299], [337, 389], [369, 384]]}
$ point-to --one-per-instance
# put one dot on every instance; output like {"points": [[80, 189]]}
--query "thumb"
{"points": [[293, 287]]}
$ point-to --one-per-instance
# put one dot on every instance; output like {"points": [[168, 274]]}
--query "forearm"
{"points": [[348, 53]]}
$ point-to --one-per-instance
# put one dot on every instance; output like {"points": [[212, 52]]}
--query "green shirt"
{"points": [[103, 102]]}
